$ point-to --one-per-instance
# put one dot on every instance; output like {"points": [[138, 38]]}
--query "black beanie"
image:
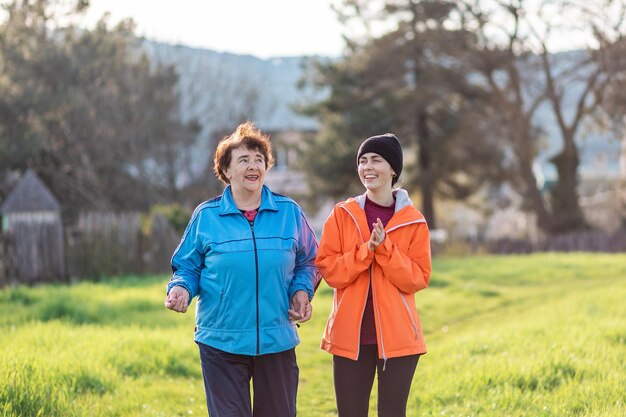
{"points": [[388, 146]]}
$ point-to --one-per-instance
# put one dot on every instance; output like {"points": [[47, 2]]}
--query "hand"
{"points": [[177, 299], [378, 235], [300, 307]]}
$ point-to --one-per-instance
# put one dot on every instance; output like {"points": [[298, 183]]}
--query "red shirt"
{"points": [[250, 215], [372, 212]]}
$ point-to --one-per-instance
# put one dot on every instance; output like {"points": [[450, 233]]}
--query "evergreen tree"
{"points": [[413, 81]]}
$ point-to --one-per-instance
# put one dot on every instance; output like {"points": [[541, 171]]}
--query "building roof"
{"points": [[30, 194]]}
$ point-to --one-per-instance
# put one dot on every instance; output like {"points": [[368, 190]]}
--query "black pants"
{"points": [[227, 383], [354, 380]]}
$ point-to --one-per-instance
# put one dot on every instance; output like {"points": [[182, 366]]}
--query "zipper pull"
{"points": [[384, 362]]}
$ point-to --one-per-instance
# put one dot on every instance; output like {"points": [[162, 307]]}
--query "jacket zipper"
{"points": [[256, 265], [380, 322], [358, 345], [380, 325]]}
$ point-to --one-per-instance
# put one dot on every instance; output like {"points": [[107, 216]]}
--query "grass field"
{"points": [[537, 335]]}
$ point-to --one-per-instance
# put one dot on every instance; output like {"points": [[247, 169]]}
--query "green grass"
{"points": [[536, 335]]}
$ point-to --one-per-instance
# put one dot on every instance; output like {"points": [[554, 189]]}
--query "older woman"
{"points": [[248, 255]]}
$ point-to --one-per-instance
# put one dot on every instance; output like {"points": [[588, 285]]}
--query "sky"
{"points": [[263, 28]]}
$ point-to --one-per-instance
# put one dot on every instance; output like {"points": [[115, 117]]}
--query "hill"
{"points": [[212, 84]]}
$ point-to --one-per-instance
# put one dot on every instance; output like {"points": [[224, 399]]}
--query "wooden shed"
{"points": [[31, 219]]}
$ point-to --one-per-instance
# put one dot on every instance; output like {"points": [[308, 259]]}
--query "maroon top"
{"points": [[368, 326], [251, 214]]}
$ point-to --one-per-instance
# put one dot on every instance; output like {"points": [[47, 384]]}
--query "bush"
{"points": [[175, 214]]}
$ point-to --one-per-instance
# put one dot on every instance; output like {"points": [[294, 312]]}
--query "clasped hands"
{"points": [[377, 236], [301, 308]]}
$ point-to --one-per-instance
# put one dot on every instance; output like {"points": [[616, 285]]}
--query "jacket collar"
{"points": [[401, 196], [228, 206], [405, 212]]}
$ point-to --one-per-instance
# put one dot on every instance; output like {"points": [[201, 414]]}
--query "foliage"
{"points": [[412, 81], [89, 112], [463, 84], [538, 335], [177, 216]]}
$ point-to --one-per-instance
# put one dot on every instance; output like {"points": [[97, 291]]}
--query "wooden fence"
{"points": [[582, 241], [33, 251], [105, 244], [98, 245], [7, 269]]}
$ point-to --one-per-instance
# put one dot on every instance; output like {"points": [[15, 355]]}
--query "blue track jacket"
{"points": [[244, 275]]}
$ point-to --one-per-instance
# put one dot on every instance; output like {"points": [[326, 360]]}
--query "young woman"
{"points": [[375, 253]]}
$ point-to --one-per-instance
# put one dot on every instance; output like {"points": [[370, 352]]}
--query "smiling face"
{"points": [[375, 172], [246, 170]]}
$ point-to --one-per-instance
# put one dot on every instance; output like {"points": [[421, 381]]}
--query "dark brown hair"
{"points": [[248, 136]]}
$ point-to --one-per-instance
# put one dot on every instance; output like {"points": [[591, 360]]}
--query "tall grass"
{"points": [[537, 335]]}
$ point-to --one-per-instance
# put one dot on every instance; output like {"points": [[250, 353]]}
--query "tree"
{"points": [[515, 56], [614, 110], [410, 80], [88, 110]]}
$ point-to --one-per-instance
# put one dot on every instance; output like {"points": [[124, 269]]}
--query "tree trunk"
{"points": [[425, 170], [566, 212]]}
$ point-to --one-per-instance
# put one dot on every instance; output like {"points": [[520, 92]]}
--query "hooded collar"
{"points": [[400, 195], [405, 212], [228, 206]]}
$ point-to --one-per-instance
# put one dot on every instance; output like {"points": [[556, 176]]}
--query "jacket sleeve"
{"points": [[188, 260], [410, 271], [306, 276], [340, 268]]}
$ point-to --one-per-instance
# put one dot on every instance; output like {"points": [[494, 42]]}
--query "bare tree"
{"points": [[614, 107], [518, 43]]}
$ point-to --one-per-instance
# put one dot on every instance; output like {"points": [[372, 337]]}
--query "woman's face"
{"points": [[246, 170], [375, 172]]}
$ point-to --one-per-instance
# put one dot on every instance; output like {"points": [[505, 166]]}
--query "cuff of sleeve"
{"points": [[300, 287], [385, 248], [180, 283], [364, 254]]}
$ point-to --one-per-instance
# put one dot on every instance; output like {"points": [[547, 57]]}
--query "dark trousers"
{"points": [[227, 383], [354, 380]]}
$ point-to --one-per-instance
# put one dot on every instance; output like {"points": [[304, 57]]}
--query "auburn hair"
{"points": [[248, 136]]}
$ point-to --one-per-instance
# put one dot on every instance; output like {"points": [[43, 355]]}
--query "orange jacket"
{"points": [[398, 268]]}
